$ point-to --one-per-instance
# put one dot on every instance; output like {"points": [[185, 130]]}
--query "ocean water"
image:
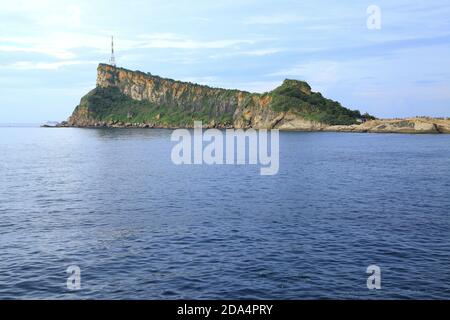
{"points": [[139, 227]]}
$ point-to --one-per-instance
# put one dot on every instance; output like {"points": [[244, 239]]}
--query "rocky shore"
{"points": [[411, 125], [407, 126]]}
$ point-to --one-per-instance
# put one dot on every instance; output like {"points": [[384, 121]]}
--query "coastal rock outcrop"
{"points": [[133, 98], [410, 125], [125, 98]]}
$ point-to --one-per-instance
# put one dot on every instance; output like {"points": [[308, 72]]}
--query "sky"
{"points": [[49, 50]]}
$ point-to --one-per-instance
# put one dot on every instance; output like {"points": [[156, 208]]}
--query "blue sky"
{"points": [[49, 50]]}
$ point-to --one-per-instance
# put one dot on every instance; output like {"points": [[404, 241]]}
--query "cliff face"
{"points": [[132, 98]]}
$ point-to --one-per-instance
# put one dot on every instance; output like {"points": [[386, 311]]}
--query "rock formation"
{"points": [[136, 99], [411, 125], [124, 98]]}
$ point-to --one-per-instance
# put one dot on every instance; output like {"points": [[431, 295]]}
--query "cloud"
{"points": [[58, 45], [173, 41], [67, 48], [272, 19], [45, 13], [62, 45], [53, 52], [30, 65], [262, 52], [320, 72], [62, 17], [254, 53]]}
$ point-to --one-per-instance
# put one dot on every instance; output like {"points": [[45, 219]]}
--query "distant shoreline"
{"points": [[424, 125]]}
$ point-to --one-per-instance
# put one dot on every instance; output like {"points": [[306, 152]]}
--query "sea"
{"points": [[106, 214]]}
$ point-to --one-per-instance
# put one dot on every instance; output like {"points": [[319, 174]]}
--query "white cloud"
{"points": [[30, 65], [46, 13], [262, 52], [53, 52], [273, 19], [173, 41], [60, 17], [62, 45], [256, 53], [320, 72]]}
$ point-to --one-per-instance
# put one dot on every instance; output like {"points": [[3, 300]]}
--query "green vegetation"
{"points": [[111, 105], [212, 106], [296, 96]]}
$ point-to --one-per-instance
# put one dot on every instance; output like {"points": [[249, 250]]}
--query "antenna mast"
{"points": [[112, 60]]}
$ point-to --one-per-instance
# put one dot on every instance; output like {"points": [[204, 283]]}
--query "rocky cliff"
{"points": [[136, 99]]}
